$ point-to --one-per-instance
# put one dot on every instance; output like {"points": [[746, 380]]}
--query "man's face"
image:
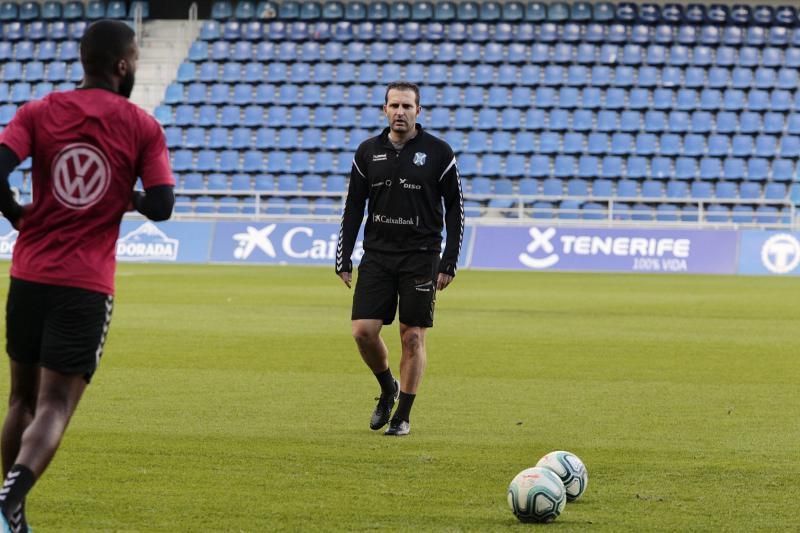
{"points": [[401, 110], [129, 74]]}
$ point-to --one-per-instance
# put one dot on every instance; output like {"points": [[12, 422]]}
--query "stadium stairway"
{"points": [[162, 47]]}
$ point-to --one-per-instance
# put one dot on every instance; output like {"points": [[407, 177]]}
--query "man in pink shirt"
{"points": [[88, 147]]}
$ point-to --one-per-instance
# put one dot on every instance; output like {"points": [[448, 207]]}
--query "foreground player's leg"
{"points": [[375, 354], [21, 409], [412, 366], [58, 397]]}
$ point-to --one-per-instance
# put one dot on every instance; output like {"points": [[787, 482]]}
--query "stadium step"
{"points": [[164, 44]]}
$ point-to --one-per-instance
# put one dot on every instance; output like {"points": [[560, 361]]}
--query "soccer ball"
{"points": [[570, 469], [536, 495]]}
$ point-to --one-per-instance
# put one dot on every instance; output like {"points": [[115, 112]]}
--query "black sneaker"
{"points": [[398, 428], [382, 412]]}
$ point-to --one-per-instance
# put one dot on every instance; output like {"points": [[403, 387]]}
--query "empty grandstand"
{"points": [[615, 112]]}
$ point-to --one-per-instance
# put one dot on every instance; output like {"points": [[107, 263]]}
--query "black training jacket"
{"points": [[405, 192]]}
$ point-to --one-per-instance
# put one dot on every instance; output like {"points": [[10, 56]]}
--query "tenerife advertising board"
{"points": [[605, 249]]}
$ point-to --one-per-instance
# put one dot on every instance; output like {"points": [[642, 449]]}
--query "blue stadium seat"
{"points": [[588, 167], [582, 120], [655, 121], [627, 189], [23, 51], [20, 93], [591, 98], [766, 145], [206, 161], [9, 11], [598, 143], [540, 166], [778, 36], [7, 112], [558, 120], [783, 170], [677, 189], [621, 143], [663, 99], [726, 57], [194, 137], [781, 100], [515, 166], [116, 9], [487, 119], [524, 143], [660, 168], [611, 167], [718, 145], [775, 191], [758, 169], [750, 190], [162, 113], [725, 190], [701, 189], [218, 93], [264, 182], [742, 145], [221, 10], [477, 142], [678, 121], [552, 187], [182, 160], [13, 31], [733, 168], [717, 213], [34, 71], [307, 10], [645, 144], [742, 214], [564, 166]]}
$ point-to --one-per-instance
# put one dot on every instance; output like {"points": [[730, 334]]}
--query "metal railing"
{"points": [[513, 209], [137, 23]]}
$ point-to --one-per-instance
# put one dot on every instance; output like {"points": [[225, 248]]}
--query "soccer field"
{"points": [[233, 399]]}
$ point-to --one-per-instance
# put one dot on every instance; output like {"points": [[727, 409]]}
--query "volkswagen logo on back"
{"points": [[81, 175]]}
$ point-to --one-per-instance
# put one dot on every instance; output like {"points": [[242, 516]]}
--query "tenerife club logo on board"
{"points": [[781, 253]]}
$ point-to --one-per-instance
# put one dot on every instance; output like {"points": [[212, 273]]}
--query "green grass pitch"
{"points": [[233, 399]]}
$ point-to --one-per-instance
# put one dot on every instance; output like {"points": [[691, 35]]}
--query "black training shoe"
{"points": [[398, 428], [382, 412]]}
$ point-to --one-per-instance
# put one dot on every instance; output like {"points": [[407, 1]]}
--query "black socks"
{"points": [[404, 406], [386, 380], [18, 482]]}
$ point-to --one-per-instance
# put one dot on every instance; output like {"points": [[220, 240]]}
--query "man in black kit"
{"points": [[408, 175]]}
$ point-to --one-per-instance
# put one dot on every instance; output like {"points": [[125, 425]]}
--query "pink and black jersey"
{"points": [[88, 147]]}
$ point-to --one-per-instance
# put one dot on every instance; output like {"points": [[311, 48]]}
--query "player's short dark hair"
{"points": [[103, 44], [401, 86]]}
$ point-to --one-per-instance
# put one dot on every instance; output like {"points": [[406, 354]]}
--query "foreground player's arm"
{"points": [[155, 203], [158, 198], [450, 185], [357, 193], [8, 205]]}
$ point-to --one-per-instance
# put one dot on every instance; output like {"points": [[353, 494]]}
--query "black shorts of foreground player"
{"points": [[409, 181], [88, 146]]}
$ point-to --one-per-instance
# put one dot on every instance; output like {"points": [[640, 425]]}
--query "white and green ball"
{"points": [[536, 495], [570, 469]]}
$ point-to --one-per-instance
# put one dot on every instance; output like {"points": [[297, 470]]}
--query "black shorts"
{"points": [[382, 278], [59, 328]]}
